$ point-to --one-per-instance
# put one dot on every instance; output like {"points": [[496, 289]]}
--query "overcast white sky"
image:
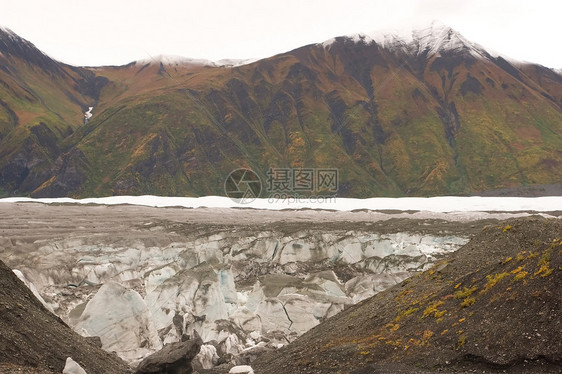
{"points": [[115, 32]]}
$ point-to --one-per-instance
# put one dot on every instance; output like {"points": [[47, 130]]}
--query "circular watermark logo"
{"points": [[242, 186]]}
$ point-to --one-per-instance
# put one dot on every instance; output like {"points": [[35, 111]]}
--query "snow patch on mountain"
{"points": [[356, 38], [174, 60], [431, 40], [235, 62], [7, 36], [416, 40], [10, 34]]}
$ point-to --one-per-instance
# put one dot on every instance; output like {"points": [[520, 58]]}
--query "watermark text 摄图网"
{"points": [[286, 185], [297, 180]]}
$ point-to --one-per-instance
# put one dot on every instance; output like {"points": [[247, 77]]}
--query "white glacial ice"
{"points": [[72, 367], [120, 317], [33, 289]]}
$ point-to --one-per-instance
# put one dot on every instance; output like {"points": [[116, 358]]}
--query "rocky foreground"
{"points": [[33, 340]]}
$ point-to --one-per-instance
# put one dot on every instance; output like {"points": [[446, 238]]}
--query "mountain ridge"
{"points": [[393, 122]]}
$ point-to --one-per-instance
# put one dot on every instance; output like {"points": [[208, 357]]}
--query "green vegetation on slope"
{"points": [[392, 126]]}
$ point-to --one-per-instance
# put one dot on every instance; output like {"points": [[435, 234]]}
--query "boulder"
{"points": [[174, 358], [95, 340], [72, 367], [241, 369]]}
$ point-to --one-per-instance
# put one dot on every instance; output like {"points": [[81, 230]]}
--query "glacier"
{"points": [[139, 275]]}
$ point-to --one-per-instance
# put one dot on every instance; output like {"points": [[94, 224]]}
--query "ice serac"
{"points": [[33, 289], [120, 317], [207, 357]]}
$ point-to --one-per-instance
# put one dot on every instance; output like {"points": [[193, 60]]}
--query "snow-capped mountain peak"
{"points": [[9, 39], [174, 60], [14, 46], [6, 32], [235, 62], [431, 39], [180, 60]]}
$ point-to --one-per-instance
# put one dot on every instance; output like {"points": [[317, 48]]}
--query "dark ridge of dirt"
{"points": [[493, 306], [389, 226], [526, 191], [33, 340]]}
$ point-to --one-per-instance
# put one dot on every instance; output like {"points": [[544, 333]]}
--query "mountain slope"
{"points": [[427, 114], [41, 102], [493, 305], [36, 341]]}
